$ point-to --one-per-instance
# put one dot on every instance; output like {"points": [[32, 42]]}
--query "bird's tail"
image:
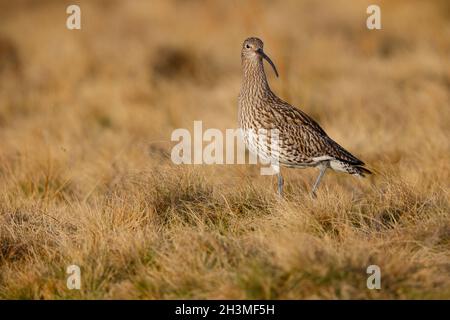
{"points": [[356, 169], [361, 171]]}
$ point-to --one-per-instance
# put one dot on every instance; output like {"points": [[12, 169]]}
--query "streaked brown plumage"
{"points": [[302, 142]]}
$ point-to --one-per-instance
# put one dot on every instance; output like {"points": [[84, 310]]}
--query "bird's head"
{"points": [[252, 50]]}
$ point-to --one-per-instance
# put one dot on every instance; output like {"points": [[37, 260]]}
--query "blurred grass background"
{"points": [[85, 171]]}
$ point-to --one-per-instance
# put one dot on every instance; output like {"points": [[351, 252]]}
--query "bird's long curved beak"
{"points": [[265, 56]]}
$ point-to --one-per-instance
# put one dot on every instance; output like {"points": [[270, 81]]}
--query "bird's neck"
{"points": [[254, 80]]}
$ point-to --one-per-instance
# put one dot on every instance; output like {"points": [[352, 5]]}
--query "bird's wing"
{"points": [[305, 135]]}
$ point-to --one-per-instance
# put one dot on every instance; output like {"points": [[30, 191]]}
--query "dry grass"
{"points": [[85, 119]]}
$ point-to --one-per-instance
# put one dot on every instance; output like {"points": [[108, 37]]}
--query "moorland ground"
{"points": [[86, 176]]}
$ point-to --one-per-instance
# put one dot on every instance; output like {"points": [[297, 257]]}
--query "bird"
{"points": [[299, 142]]}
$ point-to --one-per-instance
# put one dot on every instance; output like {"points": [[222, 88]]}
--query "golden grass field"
{"points": [[86, 176]]}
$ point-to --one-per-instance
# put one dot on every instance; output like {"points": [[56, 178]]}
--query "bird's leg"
{"points": [[316, 184], [280, 184]]}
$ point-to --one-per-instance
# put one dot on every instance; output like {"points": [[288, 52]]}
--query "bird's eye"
{"points": [[247, 46]]}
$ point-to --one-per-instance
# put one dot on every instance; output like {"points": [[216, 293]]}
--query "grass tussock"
{"points": [[86, 176]]}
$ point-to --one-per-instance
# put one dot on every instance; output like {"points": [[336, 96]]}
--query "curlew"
{"points": [[300, 141]]}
